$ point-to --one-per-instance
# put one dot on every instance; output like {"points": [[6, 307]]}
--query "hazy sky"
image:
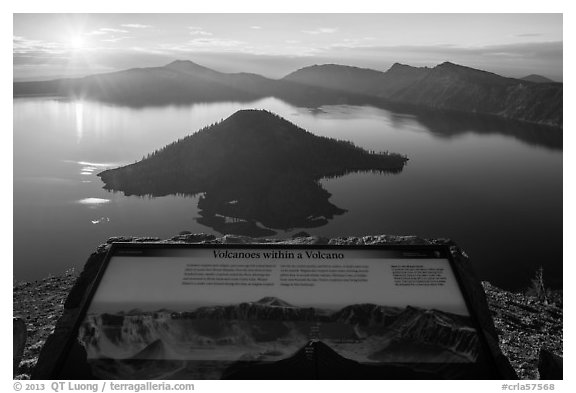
{"points": [[54, 45]]}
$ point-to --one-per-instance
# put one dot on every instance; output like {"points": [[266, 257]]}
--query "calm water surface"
{"points": [[496, 194]]}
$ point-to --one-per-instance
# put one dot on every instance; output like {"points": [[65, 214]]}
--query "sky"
{"points": [[62, 45]]}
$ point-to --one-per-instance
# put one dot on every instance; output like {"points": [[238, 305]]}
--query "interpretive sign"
{"points": [[277, 311]]}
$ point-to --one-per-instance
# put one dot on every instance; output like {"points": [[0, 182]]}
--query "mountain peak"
{"points": [[273, 301], [154, 350], [182, 63], [448, 64], [471, 74], [320, 74], [257, 119], [537, 79], [187, 66], [399, 66], [250, 113], [453, 67], [399, 70]]}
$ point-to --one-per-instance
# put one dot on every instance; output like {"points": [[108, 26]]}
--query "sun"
{"points": [[77, 42]]}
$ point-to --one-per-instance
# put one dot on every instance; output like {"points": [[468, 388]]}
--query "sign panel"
{"points": [[285, 312]]}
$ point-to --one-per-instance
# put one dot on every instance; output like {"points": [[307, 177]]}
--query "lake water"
{"points": [[494, 188]]}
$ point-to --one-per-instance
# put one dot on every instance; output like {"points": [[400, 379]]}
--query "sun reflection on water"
{"points": [[93, 201], [79, 112]]}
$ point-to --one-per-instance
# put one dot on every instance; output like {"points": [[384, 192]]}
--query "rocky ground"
{"points": [[39, 304], [524, 324]]}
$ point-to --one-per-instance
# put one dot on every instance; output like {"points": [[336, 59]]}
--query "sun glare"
{"points": [[77, 42]]}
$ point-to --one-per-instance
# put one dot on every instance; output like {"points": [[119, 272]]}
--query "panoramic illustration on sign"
{"points": [[211, 314]]}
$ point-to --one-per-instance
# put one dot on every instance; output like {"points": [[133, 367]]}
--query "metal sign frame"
{"points": [[405, 251]]}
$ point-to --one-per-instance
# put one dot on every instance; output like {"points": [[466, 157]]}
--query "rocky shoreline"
{"points": [[523, 323]]}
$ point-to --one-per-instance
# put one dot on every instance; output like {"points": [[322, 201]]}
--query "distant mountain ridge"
{"points": [[453, 87], [537, 79], [447, 86], [177, 82], [359, 80]]}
